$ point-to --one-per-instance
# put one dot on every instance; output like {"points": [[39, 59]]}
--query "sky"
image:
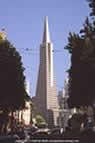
{"points": [[24, 21]]}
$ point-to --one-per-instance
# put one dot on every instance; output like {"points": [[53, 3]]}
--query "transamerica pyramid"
{"points": [[46, 93]]}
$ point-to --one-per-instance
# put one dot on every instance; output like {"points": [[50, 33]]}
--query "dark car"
{"points": [[56, 133], [40, 133]]}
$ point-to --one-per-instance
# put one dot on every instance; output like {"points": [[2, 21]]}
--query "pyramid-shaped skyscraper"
{"points": [[46, 93]]}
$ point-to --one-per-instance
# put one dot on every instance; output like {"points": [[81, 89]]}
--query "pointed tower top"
{"points": [[46, 34]]}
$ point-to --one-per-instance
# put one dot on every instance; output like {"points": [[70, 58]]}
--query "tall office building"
{"points": [[46, 93]]}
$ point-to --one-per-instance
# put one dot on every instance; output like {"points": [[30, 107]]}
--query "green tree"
{"points": [[92, 6], [82, 71], [12, 79], [39, 119]]}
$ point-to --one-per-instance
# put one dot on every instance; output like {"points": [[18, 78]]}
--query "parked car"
{"points": [[40, 133], [56, 133]]}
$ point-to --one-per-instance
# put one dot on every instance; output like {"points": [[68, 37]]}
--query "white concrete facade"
{"points": [[46, 93], [25, 114]]}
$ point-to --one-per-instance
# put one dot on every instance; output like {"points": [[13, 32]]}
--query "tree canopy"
{"points": [[82, 71], [92, 6], [12, 79], [39, 119]]}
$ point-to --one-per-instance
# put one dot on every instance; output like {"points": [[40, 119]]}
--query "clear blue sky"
{"points": [[23, 20]]}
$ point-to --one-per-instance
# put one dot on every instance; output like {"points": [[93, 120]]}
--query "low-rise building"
{"points": [[65, 112], [25, 114]]}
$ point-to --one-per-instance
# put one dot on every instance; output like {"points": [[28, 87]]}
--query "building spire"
{"points": [[46, 34]]}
